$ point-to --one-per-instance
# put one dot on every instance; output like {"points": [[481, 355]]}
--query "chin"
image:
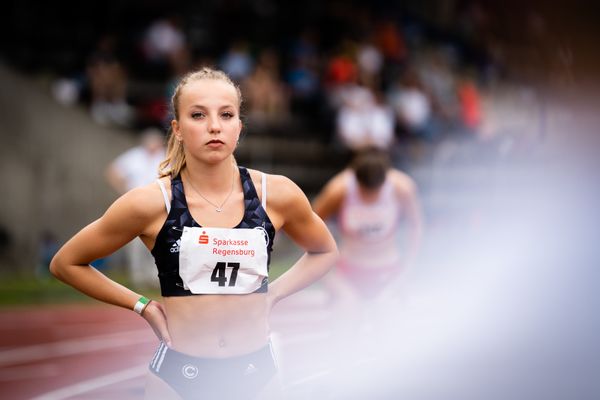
{"points": [[217, 157]]}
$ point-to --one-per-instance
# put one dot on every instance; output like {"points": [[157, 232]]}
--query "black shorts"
{"points": [[240, 377]]}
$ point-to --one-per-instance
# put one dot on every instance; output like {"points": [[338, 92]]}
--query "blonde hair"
{"points": [[175, 159]]}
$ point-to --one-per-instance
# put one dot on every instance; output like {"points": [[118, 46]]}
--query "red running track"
{"points": [[98, 351]]}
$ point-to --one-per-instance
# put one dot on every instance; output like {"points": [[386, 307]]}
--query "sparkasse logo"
{"points": [[203, 238]]}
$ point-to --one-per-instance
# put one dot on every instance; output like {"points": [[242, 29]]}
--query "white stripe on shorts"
{"points": [[155, 358], [161, 359]]}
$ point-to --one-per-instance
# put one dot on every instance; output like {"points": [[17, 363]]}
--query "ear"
{"points": [[237, 140], [175, 130]]}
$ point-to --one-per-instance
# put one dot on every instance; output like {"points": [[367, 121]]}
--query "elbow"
{"points": [[334, 256], [335, 253], [56, 267], [332, 247]]}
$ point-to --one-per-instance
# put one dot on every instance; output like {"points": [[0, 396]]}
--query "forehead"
{"points": [[208, 93]]}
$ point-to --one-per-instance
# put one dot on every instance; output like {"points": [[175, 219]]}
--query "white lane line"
{"points": [[37, 371], [95, 383], [75, 346]]}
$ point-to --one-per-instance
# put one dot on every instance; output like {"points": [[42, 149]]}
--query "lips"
{"points": [[215, 141]]}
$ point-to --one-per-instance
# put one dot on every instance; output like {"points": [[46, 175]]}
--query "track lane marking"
{"points": [[75, 346], [94, 383]]}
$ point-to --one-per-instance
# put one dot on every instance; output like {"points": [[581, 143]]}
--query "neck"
{"points": [[369, 195], [210, 178]]}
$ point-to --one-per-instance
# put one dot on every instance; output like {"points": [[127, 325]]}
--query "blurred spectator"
{"points": [[470, 104], [304, 81], [66, 91], [266, 96], [370, 65], [107, 80], [435, 70], [390, 42], [412, 106], [152, 108], [237, 62], [164, 46], [341, 68], [364, 120], [48, 246], [303, 74], [137, 167]]}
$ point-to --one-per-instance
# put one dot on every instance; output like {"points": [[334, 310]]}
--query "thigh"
{"points": [[157, 389]]}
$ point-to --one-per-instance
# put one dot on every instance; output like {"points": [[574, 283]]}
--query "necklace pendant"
{"points": [[218, 209]]}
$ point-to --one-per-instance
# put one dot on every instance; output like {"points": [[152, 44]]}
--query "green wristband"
{"points": [[141, 305]]}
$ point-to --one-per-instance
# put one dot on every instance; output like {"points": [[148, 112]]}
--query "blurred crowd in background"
{"points": [[350, 73], [412, 77]]}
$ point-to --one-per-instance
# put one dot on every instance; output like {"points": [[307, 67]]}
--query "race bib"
{"points": [[370, 223], [223, 260]]}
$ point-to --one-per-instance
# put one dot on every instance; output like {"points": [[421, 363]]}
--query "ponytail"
{"points": [[175, 159]]}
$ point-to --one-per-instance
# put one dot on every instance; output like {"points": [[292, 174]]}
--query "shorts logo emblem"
{"points": [[189, 371]]}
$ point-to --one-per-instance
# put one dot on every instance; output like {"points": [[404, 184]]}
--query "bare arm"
{"points": [[307, 230], [125, 219], [328, 203]]}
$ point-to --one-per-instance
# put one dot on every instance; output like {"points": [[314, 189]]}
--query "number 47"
{"points": [[219, 275]]}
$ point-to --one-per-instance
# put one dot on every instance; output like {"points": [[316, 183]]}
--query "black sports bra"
{"points": [[166, 247]]}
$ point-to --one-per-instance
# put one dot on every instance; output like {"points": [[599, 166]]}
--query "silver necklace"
{"points": [[218, 208]]}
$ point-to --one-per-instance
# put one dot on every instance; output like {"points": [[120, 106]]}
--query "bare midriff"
{"points": [[218, 325]]}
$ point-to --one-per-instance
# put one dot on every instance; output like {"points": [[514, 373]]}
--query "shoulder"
{"points": [[143, 203], [136, 213], [285, 198], [278, 186], [403, 184], [337, 186], [340, 180], [329, 201]]}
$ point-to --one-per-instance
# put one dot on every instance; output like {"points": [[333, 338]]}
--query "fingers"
{"points": [[156, 316]]}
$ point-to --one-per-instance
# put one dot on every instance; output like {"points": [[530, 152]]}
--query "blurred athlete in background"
{"points": [[379, 226], [133, 168]]}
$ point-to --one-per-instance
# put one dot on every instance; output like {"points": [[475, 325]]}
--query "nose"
{"points": [[214, 125]]}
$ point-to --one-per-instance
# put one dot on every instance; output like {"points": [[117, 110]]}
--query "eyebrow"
{"points": [[200, 106]]}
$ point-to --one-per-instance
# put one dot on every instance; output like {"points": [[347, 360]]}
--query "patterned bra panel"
{"points": [[166, 248]]}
